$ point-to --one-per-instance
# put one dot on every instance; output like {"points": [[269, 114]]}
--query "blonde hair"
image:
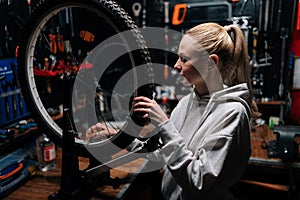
{"points": [[229, 44]]}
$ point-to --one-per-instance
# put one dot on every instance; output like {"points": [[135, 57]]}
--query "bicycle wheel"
{"points": [[62, 40]]}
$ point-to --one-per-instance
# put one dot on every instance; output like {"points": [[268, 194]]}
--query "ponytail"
{"points": [[229, 44], [240, 59]]}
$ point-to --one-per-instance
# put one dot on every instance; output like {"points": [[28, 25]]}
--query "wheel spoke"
{"points": [[45, 60]]}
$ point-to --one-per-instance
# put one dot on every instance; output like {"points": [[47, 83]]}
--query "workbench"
{"points": [[263, 175], [43, 184]]}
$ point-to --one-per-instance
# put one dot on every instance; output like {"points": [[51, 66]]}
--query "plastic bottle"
{"points": [[46, 153]]}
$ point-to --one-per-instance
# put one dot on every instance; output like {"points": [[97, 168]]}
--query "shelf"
{"points": [[271, 103], [19, 139]]}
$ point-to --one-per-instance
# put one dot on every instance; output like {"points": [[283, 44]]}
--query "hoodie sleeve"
{"points": [[199, 169]]}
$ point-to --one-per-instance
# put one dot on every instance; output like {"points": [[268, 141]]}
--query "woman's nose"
{"points": [[178, 66]]}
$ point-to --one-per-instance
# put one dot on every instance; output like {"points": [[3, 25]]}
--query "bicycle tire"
{"points": [[115, 17]]}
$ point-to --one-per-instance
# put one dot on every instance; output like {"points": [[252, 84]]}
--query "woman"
{"points": [[206, 142]]}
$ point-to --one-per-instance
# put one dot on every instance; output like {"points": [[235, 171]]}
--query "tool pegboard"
{"points": [[12, 103], [266, 24]]}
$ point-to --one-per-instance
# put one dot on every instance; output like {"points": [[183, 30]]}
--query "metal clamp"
{"points": [[286, 145]]}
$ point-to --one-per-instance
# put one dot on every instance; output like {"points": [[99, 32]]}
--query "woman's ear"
{"points": [[215, 59]]}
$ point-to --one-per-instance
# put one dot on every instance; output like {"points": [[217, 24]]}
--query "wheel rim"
{"points": [[31, 59]]}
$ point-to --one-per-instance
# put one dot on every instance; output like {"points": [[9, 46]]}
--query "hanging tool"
{"points": [[243, 24], [260, 20], [265, 61], [87, 36], [60, 42], [288, 101], [176, 19], [69, 21], [253, 61], [144, 16], [166, 12], [180, 10], [266, 25], [283, 36], [17, 83], [166, 15], [136, 9], [52, 44], [9, 45], [29, 6], [272, 15], [279, 13], [243, 7], [14, 100], [4, 87], [298, 17], [47, 67], [2, 77], [245, 28]]}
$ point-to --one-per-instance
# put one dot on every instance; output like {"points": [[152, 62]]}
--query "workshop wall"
{"points": [[13, 17], [268, 26]]}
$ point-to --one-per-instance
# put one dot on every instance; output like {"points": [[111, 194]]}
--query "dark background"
{"points": [[14, 14]]}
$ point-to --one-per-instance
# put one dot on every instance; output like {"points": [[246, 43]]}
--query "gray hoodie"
{"points": [[206, 145]]}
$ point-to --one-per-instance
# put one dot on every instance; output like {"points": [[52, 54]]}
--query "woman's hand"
{"points": [[151, 109], [100, 131]]}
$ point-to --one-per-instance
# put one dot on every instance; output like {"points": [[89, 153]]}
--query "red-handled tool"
{"points": [[180, 10], [176, 19], [298, 17], [53, 46]]}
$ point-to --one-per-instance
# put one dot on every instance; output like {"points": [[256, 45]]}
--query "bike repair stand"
{"points": [[77, 184], [71, 186]]}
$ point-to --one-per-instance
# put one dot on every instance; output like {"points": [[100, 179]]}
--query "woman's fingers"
{"points": [[150, 109], [142, 109], [100, 130], [100, 126], [141, 104], [142, 98]]}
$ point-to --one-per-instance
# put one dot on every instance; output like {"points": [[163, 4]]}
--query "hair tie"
{"points": [[227, 28], [229, 32]]}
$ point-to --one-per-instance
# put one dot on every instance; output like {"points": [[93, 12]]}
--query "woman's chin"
{"points": [[184, 81]]}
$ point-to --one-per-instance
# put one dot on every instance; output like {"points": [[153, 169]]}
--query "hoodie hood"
{"points": [[220, 102], [237, 93]]}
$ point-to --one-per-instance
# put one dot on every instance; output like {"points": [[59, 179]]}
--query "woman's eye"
{"points": [[183, 59]]}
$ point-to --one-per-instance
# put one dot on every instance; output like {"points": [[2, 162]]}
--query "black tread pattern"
{"points": [[108, 7], [123, 15]]}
